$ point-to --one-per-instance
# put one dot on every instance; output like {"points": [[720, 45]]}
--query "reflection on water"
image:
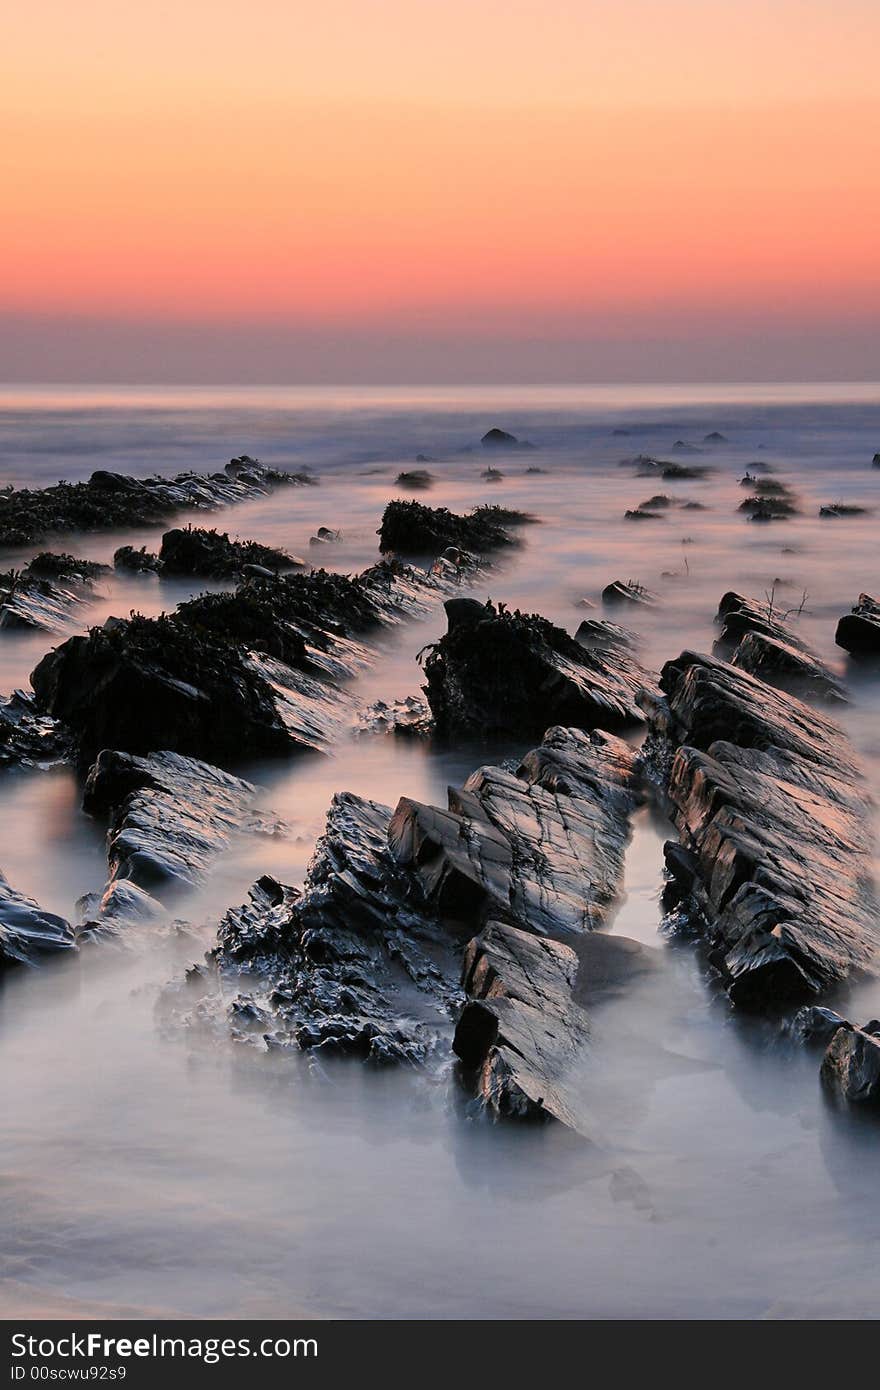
{"points": [[148, 1172]]}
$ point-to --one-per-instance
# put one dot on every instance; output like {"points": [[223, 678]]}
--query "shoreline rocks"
{"points": [[113, 501], [411, 528], [858, 632], [27, 932], [497, 674], [45, 595]]}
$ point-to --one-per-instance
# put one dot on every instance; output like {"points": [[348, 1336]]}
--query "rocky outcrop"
{"points": [[627, 591], [501, 440], [27, 737], [759, 641], [858, 632], [411, 528], [369, 958], [502, 674], [195, 551], [112, 501], [252, 673], [27, 933], [415, 480], [47, 593], [774, 865], [170, 818], [851, 1068]]}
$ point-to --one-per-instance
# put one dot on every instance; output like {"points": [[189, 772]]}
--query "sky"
{"points": [[440, 190]]}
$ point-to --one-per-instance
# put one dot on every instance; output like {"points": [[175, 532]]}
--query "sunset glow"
{"points": [[524, 168]]}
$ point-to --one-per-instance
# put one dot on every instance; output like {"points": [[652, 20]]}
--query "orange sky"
{"points": [[418, 167]]}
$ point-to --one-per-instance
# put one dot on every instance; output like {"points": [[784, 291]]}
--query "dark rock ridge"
{"points": [[47, 592], [759, 641], [250, 673], [774, 864], [27, 933], [502, 674], [858, 632], [170, 818], [500, 439], [411, 528], [367, 959], [111, 501], [627, 591]]}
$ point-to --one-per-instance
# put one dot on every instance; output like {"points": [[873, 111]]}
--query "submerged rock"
{"points": [[416, 480], [858, 632], [627, 591], [497, 674], [411, 528], [111, 501], [27, 932], [842, 509], [773, 812]]}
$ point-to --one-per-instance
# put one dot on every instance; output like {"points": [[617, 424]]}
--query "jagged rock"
{"points": [[252, 673], [851, 1067], [407, 718], [764, 646], [170, 817], [500, 674], [858, 632], [598, 632], [27, 737], [27, 933], [111, 501], [411, 528], [195, 551], [541, 848], [367, 958], [640, 515], [768, 796], [627, 591], [815, 1026], [325, 535], [47, 592]]}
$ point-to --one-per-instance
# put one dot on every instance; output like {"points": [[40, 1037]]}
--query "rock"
{"points": [[408, 718], [673, 471], [47, 593], [138, 561], [193, 551], [325, 536], [843, 509], [252, 673], [851, 1068], [170, 818], [858, 632], [410, 528], [27, 737], [875, 462], [111, 501], [500, 439], [815, 1026], [492, 475], [761, 643], [627, 591], [768, 798], [27, 933], [367, 959], [541, 848], [416, 480], [640, 515], [597, 632], [497, 674], [659, 503], [715, 438]]}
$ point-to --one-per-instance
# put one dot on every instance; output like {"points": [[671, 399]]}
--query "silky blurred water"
{"points": [[149, 1172]]}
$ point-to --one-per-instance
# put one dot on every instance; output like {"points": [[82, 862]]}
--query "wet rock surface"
{"points": [[851, 1068], [111, 501], [411, 528], [29, 738], [368, 958], [758, 640], [210, 554], [254, 672], [774, 865], [858, 632], [497, 673], [47, 593], [170, 817], [27, 933]]}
